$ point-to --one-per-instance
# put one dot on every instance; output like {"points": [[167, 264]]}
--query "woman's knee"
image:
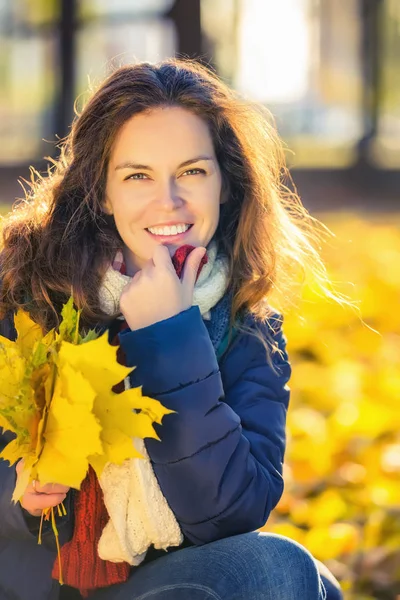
{"points": [[295, 563], [273, 566]]}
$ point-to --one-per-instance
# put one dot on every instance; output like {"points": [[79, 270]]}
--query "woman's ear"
{"points": [[106, 207]]}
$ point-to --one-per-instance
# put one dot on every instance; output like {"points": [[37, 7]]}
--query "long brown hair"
{"points": [[59, 242]]}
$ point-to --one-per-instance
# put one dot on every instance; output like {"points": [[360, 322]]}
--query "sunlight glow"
{"points": [[274, 50]]}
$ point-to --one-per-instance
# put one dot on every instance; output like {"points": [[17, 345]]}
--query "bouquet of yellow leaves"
{"points": [[56, 397]]}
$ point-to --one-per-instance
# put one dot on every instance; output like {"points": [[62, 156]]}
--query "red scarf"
{"points": [[82, 568]]}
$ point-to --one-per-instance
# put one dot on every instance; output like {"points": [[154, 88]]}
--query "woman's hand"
{"points": [[37, 497], [156, 292]]}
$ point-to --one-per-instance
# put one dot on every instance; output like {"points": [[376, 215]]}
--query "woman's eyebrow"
{"points": [[131, 165]]}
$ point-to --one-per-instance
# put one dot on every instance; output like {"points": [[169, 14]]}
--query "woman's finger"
{"points": [[34, 503], [19, 467], [162, 258], [191, 267], [49, 488]]}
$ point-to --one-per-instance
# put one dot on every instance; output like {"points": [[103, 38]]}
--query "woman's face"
{"points": [[163, 183]]}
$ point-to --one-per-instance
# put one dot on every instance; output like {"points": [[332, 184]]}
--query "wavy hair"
{"points": [[58, 241]]}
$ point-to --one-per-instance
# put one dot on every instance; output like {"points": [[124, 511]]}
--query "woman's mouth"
{"points": [[171, 233]]}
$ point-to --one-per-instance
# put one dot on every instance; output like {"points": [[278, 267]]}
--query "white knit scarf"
{"points": [[139, 513], [209, 289]]}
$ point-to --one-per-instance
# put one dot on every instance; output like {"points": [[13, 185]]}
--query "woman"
{"points": [[165, 157]]}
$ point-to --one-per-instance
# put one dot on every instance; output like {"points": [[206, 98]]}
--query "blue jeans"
{"points": [[252, 566]]}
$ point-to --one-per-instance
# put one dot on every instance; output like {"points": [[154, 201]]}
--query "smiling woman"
{"points": [[166, 159]]}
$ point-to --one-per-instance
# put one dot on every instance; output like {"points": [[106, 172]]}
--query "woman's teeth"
{"points": [[172, 230]]}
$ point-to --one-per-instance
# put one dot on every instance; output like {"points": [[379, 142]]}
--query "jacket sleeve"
{"points": [[219, 462], [12, 522]]}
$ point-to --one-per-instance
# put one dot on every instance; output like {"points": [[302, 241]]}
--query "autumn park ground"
{"points": [[342, 470], [341, 498]]}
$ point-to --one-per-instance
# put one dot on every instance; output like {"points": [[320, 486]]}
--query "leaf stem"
{"points": [[55, 531], [41, 527]]}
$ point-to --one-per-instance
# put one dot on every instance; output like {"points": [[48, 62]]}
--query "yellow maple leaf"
{"points": [[72, 432], [24, 477], [116, 413], [12, 371], [29, 333], [17, 398], [150, 407], [117, 447], [97, 361], [5, 425], [12, 452], [120, 423]]}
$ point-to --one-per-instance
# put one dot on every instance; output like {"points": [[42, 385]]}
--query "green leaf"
{"points": [[90, 336], [70, 322], [39, 357]]}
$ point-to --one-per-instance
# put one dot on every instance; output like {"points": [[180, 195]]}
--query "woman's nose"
{"points": [[169, 198]]}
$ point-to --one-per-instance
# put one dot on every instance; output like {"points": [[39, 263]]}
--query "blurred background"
{"points": [[329, 71]]}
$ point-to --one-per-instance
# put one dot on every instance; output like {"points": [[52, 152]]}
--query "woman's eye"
{"points": [[195, 172], [136, 176]]}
